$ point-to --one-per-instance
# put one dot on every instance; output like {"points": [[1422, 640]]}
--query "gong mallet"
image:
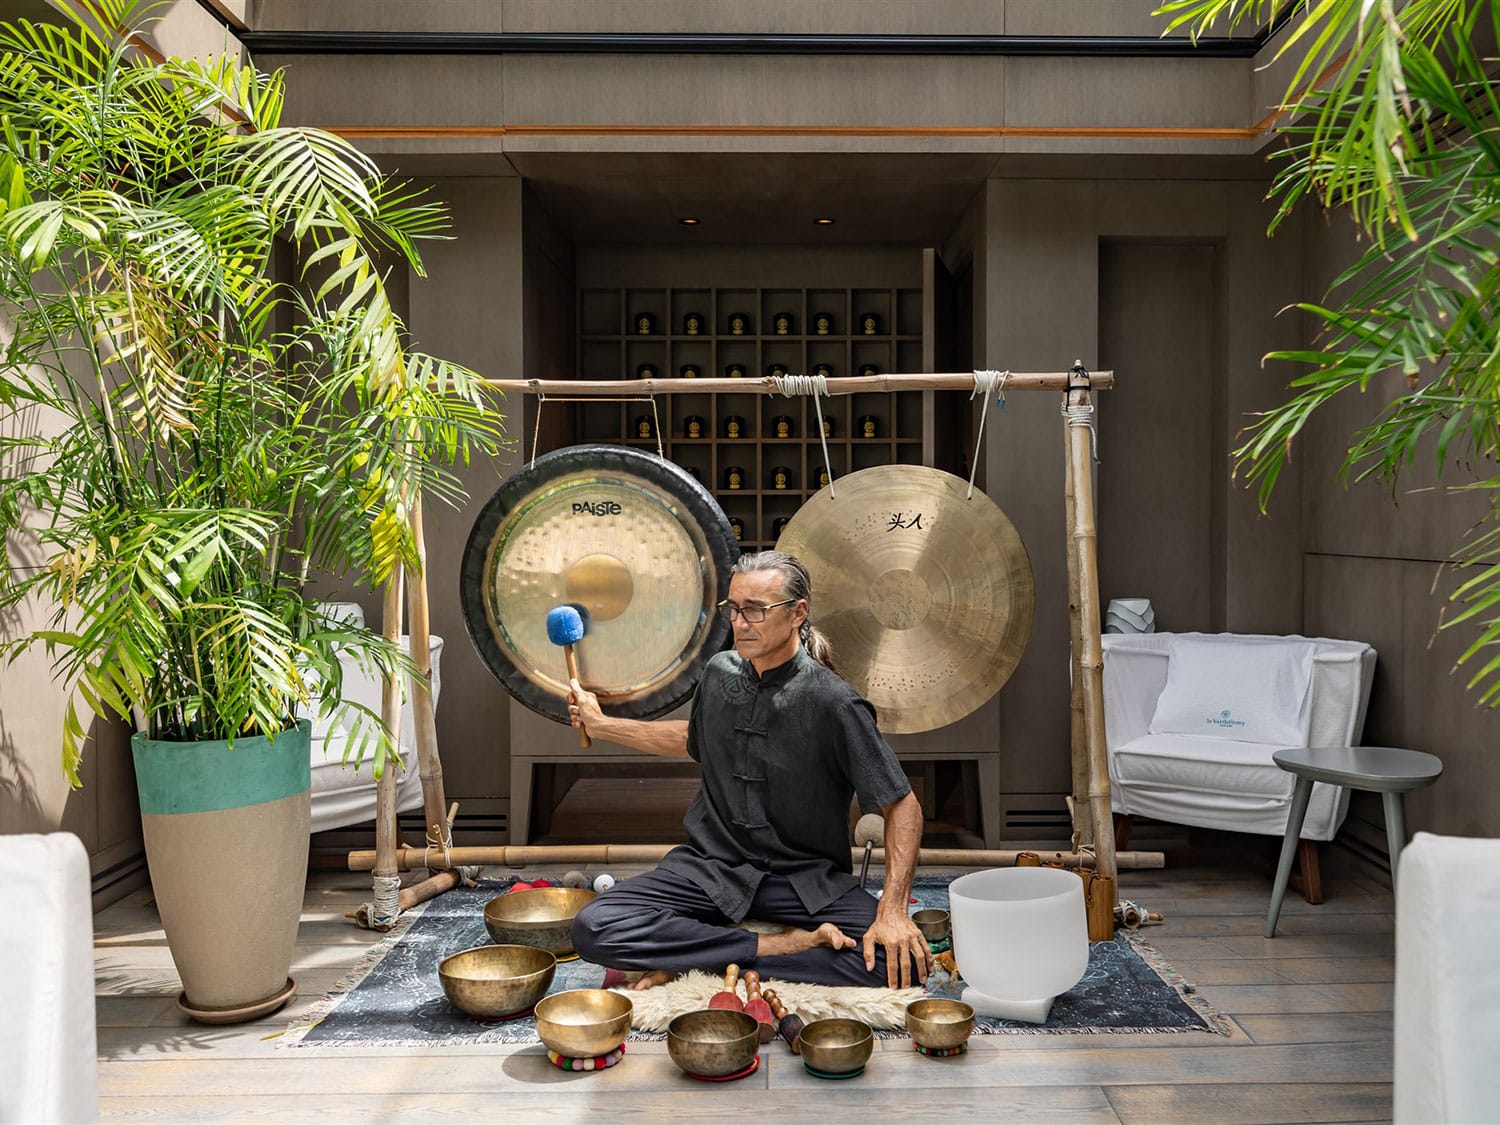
{"points": [[869, 830], [565, 627], [789, 1025], [729, 998]]}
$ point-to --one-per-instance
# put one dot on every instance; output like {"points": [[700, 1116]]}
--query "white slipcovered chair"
{"points": [[343, 795], [1250, 695], [1447, 992]]}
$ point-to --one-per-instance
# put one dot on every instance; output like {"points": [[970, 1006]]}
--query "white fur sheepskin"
{"points": [[878, 1007]]}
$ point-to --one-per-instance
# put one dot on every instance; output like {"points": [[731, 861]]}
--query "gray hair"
{"points": [[795, 583]]}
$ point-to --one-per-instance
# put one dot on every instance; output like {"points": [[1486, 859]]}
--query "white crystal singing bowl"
{"points": [[1020, 936]]}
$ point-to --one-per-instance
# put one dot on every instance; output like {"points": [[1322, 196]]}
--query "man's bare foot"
{"points": [[652, 979], [799, 941]]}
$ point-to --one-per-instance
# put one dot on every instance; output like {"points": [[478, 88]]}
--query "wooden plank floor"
{"points": [[1312, 1041]]}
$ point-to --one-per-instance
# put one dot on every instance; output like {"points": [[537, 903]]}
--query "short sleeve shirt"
{"points": [[781, 757]]}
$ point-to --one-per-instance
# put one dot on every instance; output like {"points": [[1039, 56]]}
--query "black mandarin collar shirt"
{"points": [[781, 757]]}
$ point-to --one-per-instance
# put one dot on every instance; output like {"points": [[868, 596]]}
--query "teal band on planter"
{"points": [[191, 777]]}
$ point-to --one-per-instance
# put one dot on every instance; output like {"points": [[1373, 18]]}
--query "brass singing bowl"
{"points": [[584, 1023], [939, 1024], [713, 1042], [837, 1046], [542, 918], [934, 924], [493, 981]]}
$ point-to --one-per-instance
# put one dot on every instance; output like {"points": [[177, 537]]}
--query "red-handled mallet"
{"points": [[730, 997], [565, 627], [755, 1005], [789, 1025]]}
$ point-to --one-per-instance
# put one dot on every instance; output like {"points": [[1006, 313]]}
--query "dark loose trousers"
{"points": [[662, 920]]}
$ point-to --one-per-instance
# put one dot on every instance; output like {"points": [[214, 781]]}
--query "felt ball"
{"points": [[564, 625], [548, 883], [575, 879], [514, 887], [603, 882]]}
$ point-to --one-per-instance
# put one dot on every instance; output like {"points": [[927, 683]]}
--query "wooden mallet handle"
{"points": [[583, 735], [789, 1025]]}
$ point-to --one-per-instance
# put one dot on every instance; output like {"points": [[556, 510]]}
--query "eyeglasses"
{"points": [[754, 614]]}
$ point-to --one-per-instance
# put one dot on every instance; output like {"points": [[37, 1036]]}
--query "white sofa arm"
{"points": [[1447, 992], [1135, 672]]}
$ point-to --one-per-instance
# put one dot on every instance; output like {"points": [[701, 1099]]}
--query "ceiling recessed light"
{"points": [[824, 222], [688, 222]]}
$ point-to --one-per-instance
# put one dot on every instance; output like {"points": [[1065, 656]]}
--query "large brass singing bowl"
{"points": [[713, 1042], [493, 981], [542, 918], [837, 1046], [938, 1023], [584, 1023]]}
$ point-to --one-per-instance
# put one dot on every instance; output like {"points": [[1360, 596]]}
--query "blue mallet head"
{"points": [[564, 625]]}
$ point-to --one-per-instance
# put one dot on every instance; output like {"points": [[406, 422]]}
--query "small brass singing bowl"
{"points": [[933, 923], [542, 918], [494, 981], [584, 1023], [837, 1046], [939, 1024], [713, 1042]]}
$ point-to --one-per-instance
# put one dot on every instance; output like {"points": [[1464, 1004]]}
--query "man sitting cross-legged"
{"points": [[783, 744]]}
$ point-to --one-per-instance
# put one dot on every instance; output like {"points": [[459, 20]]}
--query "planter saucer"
{"points": [[239, 1014]]}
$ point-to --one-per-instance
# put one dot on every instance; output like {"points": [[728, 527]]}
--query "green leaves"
{"points": [[218, 439], [1394, 122]]}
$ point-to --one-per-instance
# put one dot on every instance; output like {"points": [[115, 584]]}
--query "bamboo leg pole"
{"points": [[1083, 827], [429, 764], [1084, 548], [386, 864], [522, 856]]}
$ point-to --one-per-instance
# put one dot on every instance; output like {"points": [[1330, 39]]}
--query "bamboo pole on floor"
{"points": [[1083, 542], [524, 855]]}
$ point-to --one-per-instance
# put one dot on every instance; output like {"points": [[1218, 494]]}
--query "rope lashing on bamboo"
{"points": [[815, 385], [1084, 416], [985, 384], [438, 837], [383, 912]]}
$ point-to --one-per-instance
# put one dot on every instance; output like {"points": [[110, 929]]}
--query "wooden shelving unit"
{"points": [[825, 330]]}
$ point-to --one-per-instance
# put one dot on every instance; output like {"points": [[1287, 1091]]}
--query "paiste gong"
{"points": [[629, 538], [926, 593]]}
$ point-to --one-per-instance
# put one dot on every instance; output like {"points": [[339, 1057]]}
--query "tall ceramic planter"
{"points": [[226, 829]]}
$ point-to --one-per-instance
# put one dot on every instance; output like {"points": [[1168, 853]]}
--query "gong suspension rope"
{"points": [[985, 384], [815, 385], [542, 399]]}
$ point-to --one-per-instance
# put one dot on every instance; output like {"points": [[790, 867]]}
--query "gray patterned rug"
{"points": [[394, 997]]}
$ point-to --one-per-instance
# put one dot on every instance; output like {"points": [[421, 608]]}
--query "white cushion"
{"points": [[1447, 991], [1208, 765], [1242, 693]]}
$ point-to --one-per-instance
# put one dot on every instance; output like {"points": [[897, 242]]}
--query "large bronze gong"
{"points": [[632, 540], [926, 593]]}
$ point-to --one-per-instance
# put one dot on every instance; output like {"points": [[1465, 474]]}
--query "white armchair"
{"points": [[1211, 781], [342, 795]]}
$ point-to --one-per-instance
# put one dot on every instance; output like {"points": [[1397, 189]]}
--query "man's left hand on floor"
{"points": [[908, 957]]}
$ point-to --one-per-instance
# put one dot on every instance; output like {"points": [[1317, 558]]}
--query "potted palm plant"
{"points": [[206, 406]]}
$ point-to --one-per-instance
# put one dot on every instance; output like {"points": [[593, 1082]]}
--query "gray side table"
{"points": [[1381, 769]]}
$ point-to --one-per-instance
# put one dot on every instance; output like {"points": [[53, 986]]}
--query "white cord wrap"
{"points": [[985, 385], [386, 908], [815, 385], [1084, 416]]}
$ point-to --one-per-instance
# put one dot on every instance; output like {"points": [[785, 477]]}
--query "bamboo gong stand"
{"points": [[1089, 803]]}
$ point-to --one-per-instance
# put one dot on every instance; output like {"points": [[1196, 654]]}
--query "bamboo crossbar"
{"points": [[523, 855], [841, 385]]}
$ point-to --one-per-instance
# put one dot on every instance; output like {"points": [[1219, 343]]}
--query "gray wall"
{"points": [[1148, 268], [1373, 570]]}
